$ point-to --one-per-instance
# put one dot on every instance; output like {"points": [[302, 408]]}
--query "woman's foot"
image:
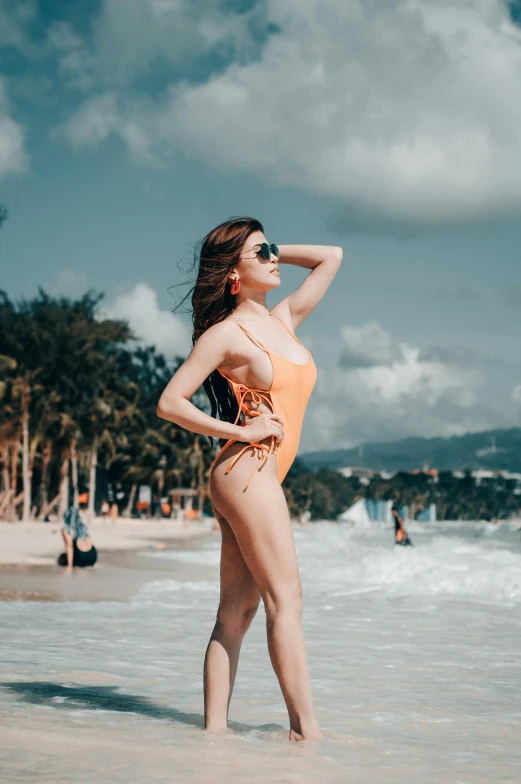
{"points": [[313, 733]]}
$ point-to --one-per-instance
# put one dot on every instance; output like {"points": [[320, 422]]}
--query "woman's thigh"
{"points": [[260, 521], [238, 589]]}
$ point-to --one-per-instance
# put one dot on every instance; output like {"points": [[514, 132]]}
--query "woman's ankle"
{"points": [[307, 733], [215, 726], [304, 726]]}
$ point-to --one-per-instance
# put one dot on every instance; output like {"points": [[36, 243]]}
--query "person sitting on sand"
{"points": [[79, 550], [400, 534]]}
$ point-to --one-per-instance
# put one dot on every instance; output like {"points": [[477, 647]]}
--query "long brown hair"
{"points": [[212, 301]]}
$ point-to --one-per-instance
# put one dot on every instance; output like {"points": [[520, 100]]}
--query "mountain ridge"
{"points": [[498, 449]]}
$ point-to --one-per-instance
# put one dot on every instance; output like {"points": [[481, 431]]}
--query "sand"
{"points": [[28, 553], [40, 543]]}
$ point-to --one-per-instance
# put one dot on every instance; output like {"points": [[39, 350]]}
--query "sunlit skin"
{"points": [[258, 557]]}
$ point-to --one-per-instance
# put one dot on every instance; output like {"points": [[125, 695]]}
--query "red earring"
{"points": [[236, 286]]}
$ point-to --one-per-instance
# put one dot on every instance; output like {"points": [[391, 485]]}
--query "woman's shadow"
{"points": [[107, 698]]}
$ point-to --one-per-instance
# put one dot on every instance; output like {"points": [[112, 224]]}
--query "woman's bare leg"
{"points": [[260, 521], [239, 600]]}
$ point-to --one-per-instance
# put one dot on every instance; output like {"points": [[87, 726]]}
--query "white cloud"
{"points": [[516, 394], [368, 345], [407, 110], [96, 119], [75, 61], [389, 392], [151, 325], [15, 17], [130, 38], [13, 157]]}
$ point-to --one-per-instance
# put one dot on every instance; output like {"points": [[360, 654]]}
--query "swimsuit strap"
{"points": [[257, 396], [252, 337], [288, 330], [292, 334]]}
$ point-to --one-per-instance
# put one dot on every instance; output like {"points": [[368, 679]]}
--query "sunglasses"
{"points": [[266, 249]]}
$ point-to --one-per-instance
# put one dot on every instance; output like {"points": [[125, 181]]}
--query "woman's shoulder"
{"points": [[223, 332]]}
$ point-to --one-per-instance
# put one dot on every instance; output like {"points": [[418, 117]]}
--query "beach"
{"points": [[28, 553], [413, 656]]}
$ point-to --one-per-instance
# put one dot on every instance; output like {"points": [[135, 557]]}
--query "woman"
{"points": [[79, 550], [251, 363]]}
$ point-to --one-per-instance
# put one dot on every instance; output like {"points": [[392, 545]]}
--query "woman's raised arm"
{"points": [[324, 262]]}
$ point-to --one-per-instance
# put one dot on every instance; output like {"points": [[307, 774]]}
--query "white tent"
{"points": [[356, 514]]}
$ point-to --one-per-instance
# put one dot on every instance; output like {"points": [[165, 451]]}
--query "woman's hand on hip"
{"points": [[263, 426]]}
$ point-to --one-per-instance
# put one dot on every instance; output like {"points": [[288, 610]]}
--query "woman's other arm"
{"points": [[209, 352], [324, 262], [212, 350]]}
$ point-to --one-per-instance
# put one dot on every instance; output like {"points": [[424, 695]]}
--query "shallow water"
{"points": [[414, 659]]}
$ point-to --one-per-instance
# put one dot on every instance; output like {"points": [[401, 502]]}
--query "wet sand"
{"points": [[28, 553]]}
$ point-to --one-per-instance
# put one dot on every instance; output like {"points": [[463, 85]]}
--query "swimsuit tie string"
{"points": [[263, 451]]}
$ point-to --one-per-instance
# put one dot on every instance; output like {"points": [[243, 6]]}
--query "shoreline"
{"points": [[29, 572], [39, 544]]}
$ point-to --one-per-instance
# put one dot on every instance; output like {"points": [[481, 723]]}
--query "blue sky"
{"points": [[129, 129]]}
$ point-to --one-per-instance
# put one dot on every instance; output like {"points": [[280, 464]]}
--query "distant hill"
{"points": [[493, 449]]}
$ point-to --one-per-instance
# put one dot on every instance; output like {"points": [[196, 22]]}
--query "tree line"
{"points": [[78, 400], [78, 394], [324, 494]]}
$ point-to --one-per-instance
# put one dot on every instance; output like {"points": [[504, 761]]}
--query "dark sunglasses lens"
{"points": [[265, 250], [274, 249]]}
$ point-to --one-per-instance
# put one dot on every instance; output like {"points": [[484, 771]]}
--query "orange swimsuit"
{"points": [[287, 396]]}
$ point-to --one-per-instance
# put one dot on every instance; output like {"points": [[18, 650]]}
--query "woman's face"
{"points": [[254, 271]]}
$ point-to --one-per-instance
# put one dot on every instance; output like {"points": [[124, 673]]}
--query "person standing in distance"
{"points": [[400, 534]]}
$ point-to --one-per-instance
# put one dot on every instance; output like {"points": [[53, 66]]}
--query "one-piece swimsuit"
{"points": [[288, 395]]}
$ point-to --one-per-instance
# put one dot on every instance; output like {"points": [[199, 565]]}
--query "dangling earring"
{"points": [[236, 286]]}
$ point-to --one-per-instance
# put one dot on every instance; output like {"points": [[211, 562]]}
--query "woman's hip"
{"points": [[239, 465]]}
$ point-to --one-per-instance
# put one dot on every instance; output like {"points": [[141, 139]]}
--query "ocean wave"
{"points": [[473, 561]]}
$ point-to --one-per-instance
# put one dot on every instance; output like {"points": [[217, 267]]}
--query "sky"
{"points": [[130, 128]]}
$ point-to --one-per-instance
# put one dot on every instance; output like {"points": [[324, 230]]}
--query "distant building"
{"points": [[426, 470], [478, 474], [482, 473], [510, 475], [363, 474]]}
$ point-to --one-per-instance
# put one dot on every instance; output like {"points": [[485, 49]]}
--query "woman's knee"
{"points": [[236, 617], [284, 599]]}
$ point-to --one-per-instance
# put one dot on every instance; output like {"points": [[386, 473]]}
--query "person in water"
{"points": [[79, 550], [400, 534], [251, 365]]}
